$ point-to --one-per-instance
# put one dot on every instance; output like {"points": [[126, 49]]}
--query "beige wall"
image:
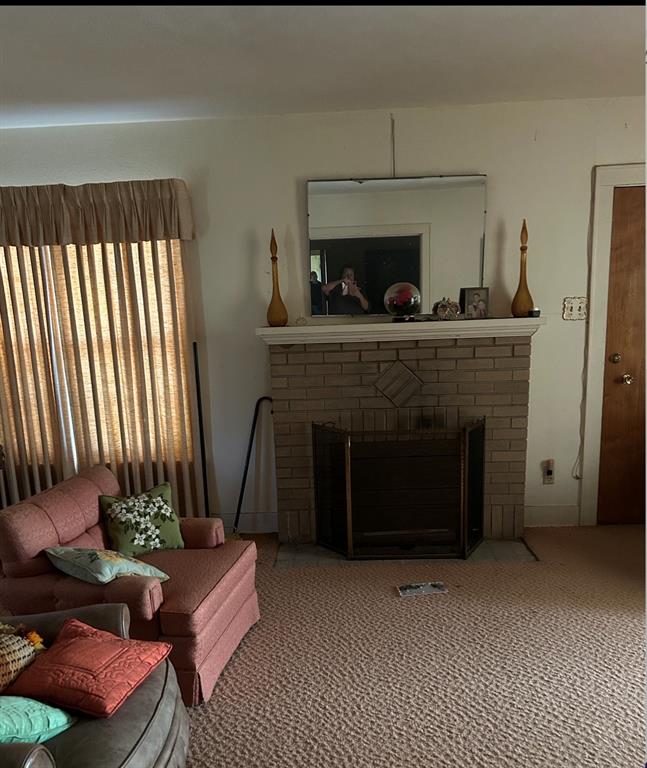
{"points": [[247, 176]]}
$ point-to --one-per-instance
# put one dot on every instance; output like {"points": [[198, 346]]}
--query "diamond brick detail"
{"points": [[399, 384]]}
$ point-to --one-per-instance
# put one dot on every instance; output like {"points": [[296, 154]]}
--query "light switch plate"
{"points": [[575, 308]]}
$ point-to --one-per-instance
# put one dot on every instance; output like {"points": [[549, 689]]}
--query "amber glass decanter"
{"points": [[522, 302], [277, 314]]}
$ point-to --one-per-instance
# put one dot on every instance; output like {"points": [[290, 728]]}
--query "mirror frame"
{"points": [[422, 229]]}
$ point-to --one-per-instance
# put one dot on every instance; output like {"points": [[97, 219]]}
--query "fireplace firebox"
{"points": [[399, 494]]}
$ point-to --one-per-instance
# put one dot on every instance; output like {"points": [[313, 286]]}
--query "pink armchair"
{"points": [[204, 609]]}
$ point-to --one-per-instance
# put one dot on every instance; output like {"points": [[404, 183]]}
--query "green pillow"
{"points": [[138, 524], [99, 566], [30, 721]]}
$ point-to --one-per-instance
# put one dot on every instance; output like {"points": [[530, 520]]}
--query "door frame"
{"points": [[607, 177], [422, 229]]}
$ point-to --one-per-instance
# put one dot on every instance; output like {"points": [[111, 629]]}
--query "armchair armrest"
{"points": [[142, 594], [25, 756], [109, 617], [202, 532]]}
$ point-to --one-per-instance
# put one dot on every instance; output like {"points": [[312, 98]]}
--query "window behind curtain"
{"points": [[94, 367]]}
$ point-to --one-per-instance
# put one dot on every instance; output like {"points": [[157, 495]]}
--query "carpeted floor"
{"points": [[524, 665]]}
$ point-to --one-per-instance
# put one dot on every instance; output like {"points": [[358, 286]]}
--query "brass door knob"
{"points": [[616, 357], [627, 378]]}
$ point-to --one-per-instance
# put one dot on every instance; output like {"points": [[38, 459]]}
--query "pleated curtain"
{"points": [[95, 361]]}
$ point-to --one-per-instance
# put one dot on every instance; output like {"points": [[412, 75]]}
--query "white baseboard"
{"points": [[260, 522], [541, 517]]}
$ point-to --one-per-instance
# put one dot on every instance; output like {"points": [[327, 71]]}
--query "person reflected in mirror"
{"points": [[477, 307], [316, 294], [344, 295]]}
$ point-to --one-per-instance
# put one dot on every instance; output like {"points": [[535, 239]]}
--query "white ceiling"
{"points": [[65, 65]]}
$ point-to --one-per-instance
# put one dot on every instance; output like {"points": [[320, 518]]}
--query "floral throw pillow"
{"points": [[143, 523], [99, 566]]}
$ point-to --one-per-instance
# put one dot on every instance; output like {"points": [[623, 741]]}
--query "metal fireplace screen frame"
{"points": [[399, 494]]}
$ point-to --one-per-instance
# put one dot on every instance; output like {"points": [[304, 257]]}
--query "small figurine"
{"points": [[446, 309]]}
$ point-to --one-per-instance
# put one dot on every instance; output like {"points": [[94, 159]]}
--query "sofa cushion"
{"points": [[142, 523], [99, 566], [30, 721], [189, 650], [89, 670], [200, 582], [65, 515]]}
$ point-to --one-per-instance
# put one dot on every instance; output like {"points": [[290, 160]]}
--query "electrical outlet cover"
{"points": [[575, 308]]}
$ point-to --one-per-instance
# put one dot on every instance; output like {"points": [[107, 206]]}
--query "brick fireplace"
{"points": [[388, 377]]}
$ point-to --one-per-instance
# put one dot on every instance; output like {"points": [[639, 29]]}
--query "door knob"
{"points": [[616, 357], [627, 378]]}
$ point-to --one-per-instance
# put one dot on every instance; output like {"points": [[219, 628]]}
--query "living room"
{"points": [[533, 656]]}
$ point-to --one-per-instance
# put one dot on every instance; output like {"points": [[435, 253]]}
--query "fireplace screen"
{"points": [[399, 494]]}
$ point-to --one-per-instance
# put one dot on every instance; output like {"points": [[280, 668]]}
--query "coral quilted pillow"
{"points": [[89, 670]]}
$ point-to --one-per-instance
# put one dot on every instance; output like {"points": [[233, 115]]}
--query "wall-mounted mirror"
{"points": [[366, 234]]}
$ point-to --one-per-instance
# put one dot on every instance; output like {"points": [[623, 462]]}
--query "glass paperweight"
{"points": [[402, 300]]}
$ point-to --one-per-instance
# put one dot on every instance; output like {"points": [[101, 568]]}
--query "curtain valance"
{"points": [[112, 212]]}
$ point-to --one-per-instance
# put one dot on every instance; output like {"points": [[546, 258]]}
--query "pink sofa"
{"points": [[204, 609]]}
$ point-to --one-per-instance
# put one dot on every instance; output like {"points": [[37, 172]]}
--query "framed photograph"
{"points": [[475, 303]]}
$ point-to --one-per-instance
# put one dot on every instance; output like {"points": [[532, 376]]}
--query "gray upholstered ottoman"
{"points": [[150, 730]]}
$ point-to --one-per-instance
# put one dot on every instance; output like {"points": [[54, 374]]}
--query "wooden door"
{"points": [[621, 495]]}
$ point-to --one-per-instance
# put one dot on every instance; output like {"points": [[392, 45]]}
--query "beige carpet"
{"points": [[531, 665]]}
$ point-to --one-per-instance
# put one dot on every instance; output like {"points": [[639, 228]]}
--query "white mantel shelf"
{"points": [[436, 329]]}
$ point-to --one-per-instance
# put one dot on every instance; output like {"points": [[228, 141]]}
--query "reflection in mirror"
{"points": [[366, 234]]}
